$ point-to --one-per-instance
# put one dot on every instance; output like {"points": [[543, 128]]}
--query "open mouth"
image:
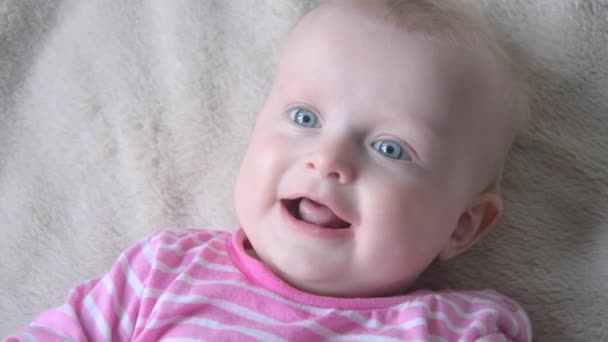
{"points": [[309, 211]]}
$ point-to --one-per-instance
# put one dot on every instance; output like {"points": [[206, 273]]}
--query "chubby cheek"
{"points": [[260, 172], [407, 225]]}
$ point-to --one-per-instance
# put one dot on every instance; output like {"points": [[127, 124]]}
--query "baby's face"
{"points": [[362, 161]]}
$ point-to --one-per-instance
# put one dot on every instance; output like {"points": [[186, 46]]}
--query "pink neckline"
{"points": [[260, 274]]}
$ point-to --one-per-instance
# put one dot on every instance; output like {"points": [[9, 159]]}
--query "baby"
{"points": [[378, 150]]}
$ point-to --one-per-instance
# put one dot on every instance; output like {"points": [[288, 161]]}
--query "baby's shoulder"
{"points": [[467, 300], [487, 311], [183, 235], [183, 241]]}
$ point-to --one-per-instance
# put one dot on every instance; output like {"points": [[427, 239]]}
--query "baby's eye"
{"points": [[391, 149], [304, 117]]}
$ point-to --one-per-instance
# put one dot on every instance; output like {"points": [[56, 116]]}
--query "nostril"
{"points": [[333, 174], [334, 169]]}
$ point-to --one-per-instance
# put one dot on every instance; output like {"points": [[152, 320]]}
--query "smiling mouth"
{"points": [[309, 211]]}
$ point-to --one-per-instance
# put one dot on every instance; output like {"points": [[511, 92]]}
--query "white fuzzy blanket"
{"points": [[117, 118]]}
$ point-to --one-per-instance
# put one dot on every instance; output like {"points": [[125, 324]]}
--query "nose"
{"points": [[334, 161]]}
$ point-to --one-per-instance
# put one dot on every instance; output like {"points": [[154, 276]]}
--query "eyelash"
{"points": [[386, 146], [295, 116], [381, 145]]}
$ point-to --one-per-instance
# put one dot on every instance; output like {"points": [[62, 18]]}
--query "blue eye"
{"points": [[304, 117], [391, 149]]}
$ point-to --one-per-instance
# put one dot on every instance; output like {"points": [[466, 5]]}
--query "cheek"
{"points": [[265, 158], [412, 214], [395, 207], [405, 234], [259, 173]]}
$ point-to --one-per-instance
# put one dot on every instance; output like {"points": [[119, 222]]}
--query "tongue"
{"points": [[320, 215]]}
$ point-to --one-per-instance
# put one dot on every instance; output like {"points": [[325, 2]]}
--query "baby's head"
{"points": [[379, 148]]}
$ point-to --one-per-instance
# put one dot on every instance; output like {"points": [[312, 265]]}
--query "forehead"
{"points": [[345, 53]]}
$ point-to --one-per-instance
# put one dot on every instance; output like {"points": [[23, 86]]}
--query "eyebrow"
{"points": [[424, 133]]}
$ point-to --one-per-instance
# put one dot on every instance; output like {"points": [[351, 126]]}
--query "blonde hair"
{"points": [[455, 22]]}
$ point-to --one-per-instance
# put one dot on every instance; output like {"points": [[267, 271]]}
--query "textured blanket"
{"points": [[117, 118]]}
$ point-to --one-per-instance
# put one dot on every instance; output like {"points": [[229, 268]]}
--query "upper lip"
{"points": [[326, 201]]}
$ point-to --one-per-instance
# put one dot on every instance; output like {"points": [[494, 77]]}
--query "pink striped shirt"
{"points": [[187, 285]]}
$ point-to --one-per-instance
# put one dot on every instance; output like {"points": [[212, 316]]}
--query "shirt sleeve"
{"points": [[501, 319], [494, 338], [481, 316], [102, 309]]}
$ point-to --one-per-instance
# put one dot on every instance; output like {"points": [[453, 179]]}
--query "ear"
{"points": [[474, 223]]}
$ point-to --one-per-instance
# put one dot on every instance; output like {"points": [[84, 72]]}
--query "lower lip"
{"points": [[312, 229]]}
